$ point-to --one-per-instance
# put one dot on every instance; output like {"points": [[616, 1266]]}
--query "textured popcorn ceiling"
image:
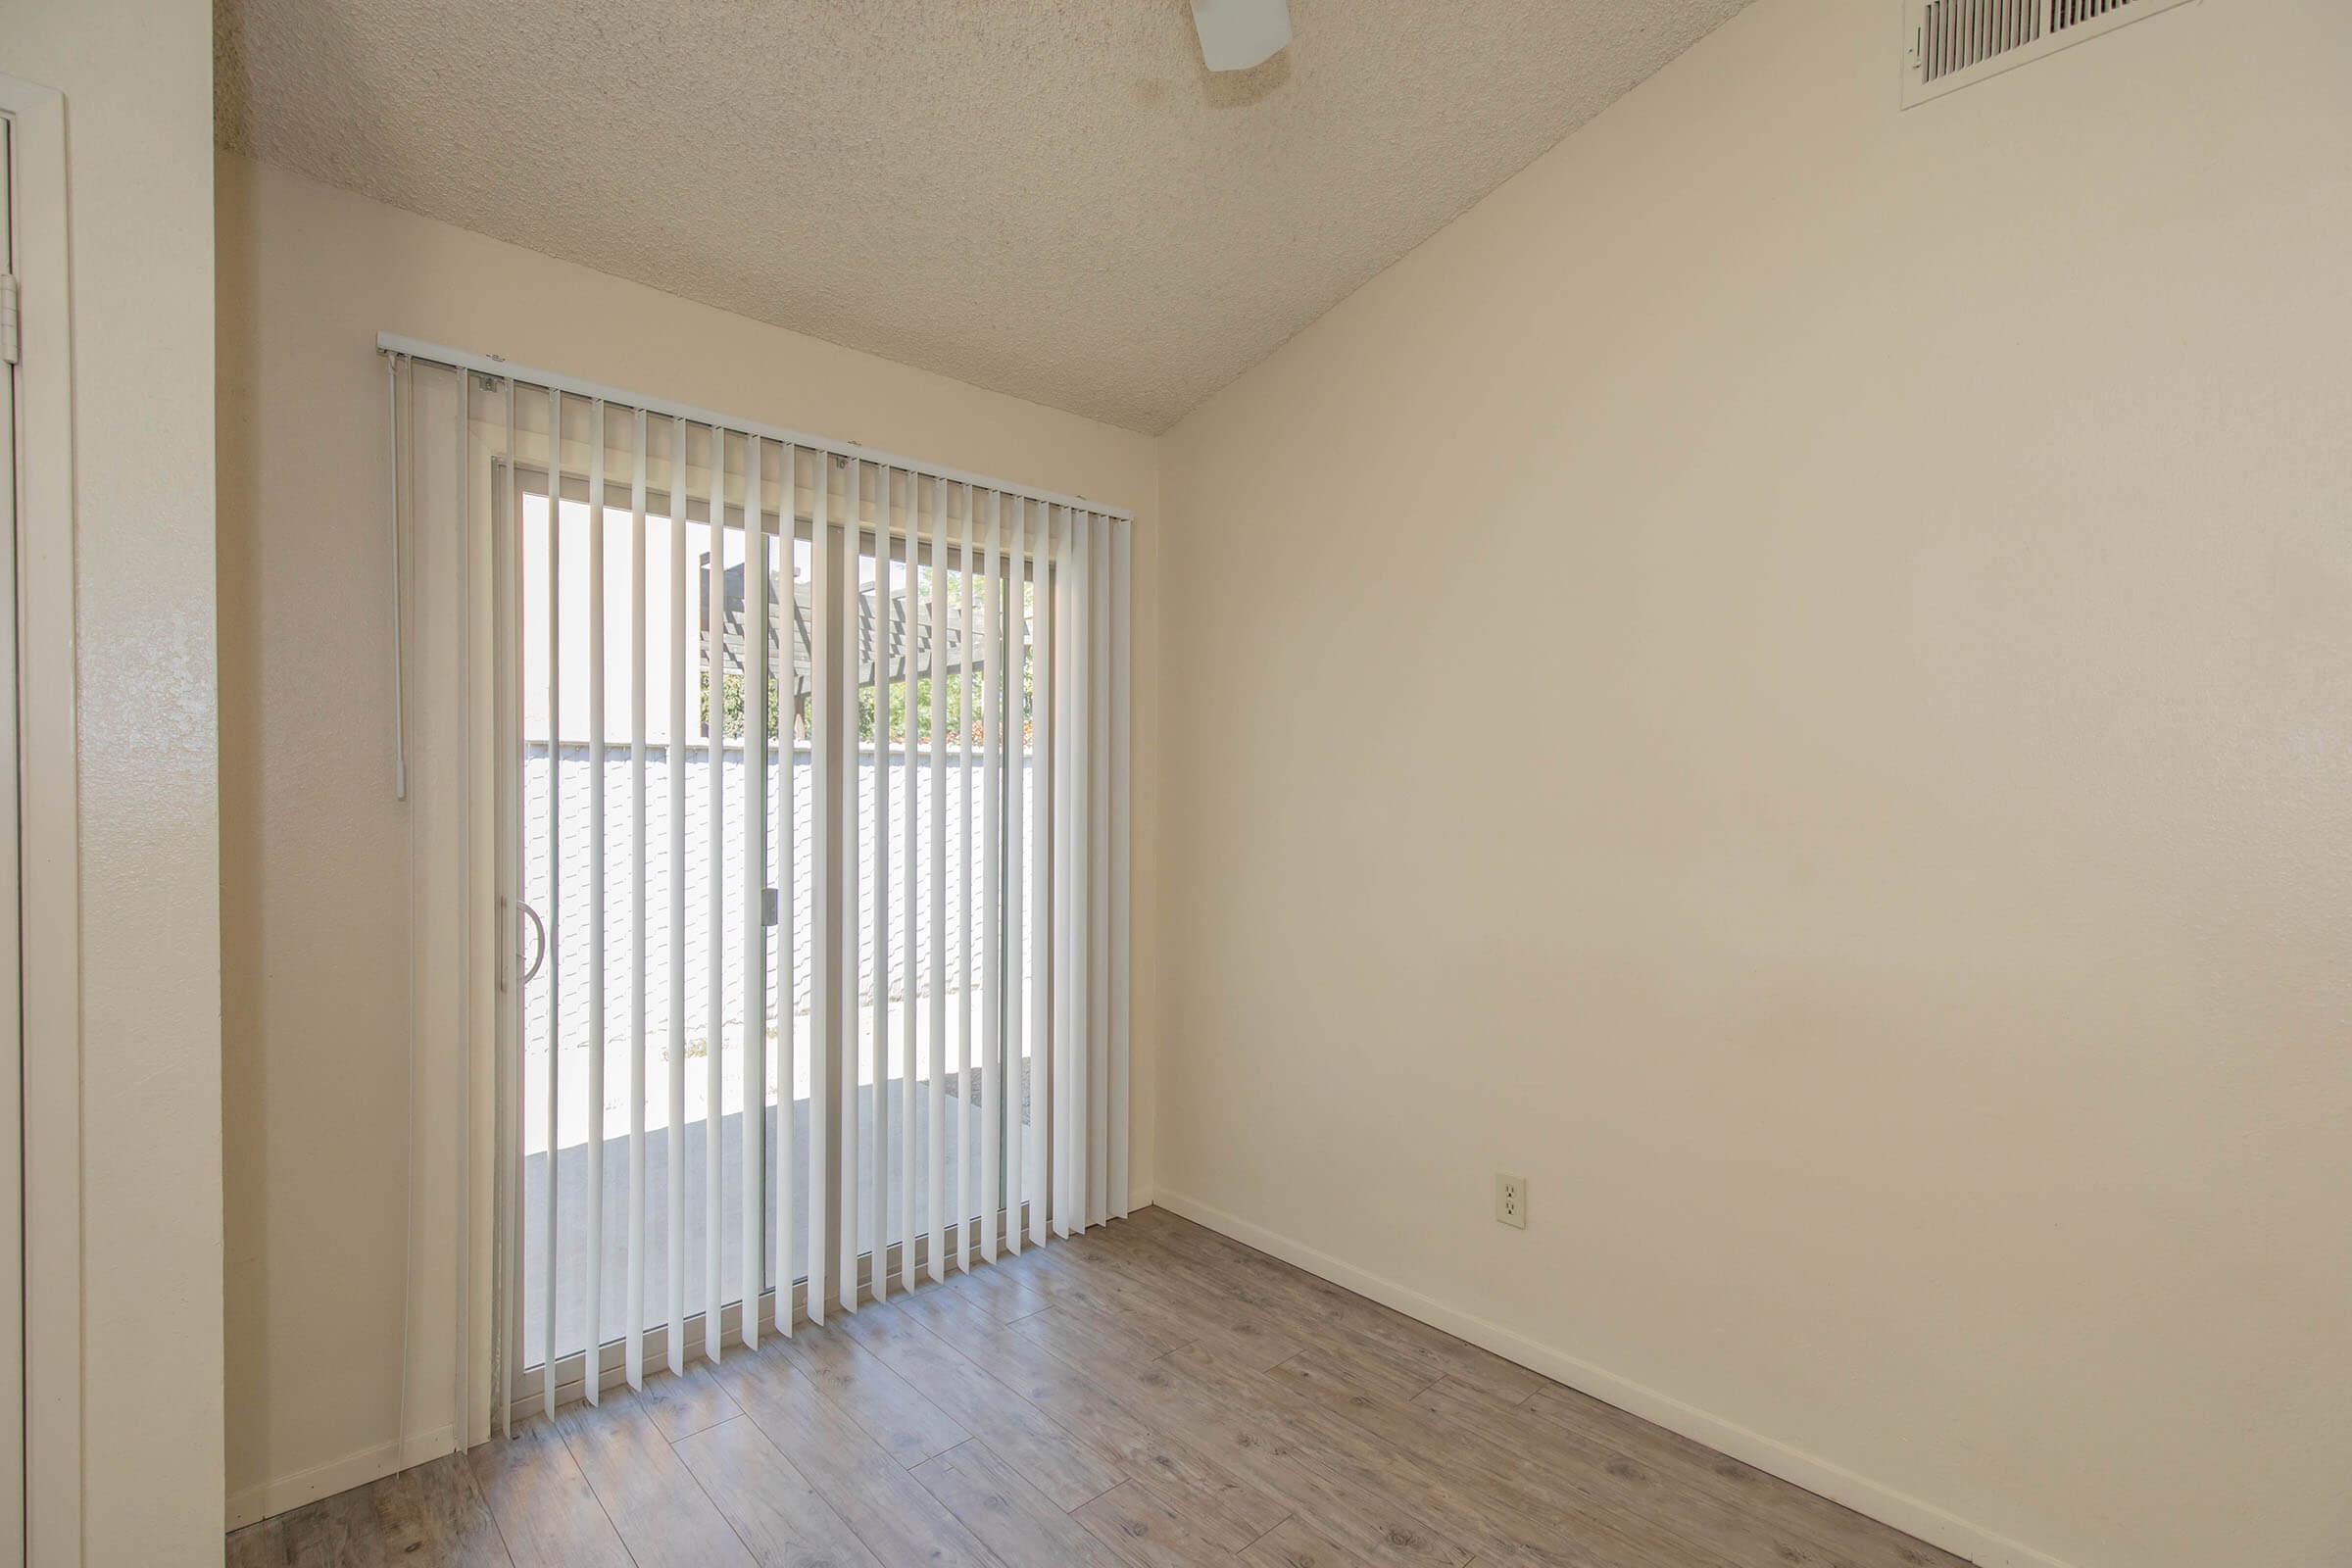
{"points": [[1048, 197]]}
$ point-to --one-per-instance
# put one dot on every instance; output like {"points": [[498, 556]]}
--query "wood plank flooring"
{"points": [[1148, 1396]]}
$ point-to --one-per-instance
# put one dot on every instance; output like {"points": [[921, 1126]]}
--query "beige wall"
{"points": [[137, 83], [316, 941], [1789, 677]]}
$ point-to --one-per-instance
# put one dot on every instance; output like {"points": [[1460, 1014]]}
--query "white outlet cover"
{"points": [[1511, 1201]]}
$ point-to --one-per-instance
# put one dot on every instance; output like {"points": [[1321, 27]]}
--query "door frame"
{"points": [[48, 828]]}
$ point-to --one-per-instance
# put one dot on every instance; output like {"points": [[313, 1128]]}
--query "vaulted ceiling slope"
{"points": [[1052, 198]]}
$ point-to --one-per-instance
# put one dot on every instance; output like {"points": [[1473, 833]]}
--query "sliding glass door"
{"points": [[778, 842]]}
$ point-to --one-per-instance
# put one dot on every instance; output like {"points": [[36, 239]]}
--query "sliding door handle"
{"points": [[539, 955]]}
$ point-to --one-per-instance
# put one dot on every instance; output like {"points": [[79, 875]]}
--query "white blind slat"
{"points": [[967, 1194], [938, 1169], [879, 1169], [675, 1275], [715, 894], [463, 1085], [634, 1354], [751, 1145], [909, 855], [1044, 1123], [1067, 1058], [552, 970], [509, 566], [787, 938], [592, 1254], [853, 1169], [1078, 1104], [1117, 702], [991, 1091], [823, 704], [1097, 870], [1016, 636]]}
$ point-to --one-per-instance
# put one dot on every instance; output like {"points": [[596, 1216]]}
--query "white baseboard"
{"points": [[271, 1498], [1985, 1547]]}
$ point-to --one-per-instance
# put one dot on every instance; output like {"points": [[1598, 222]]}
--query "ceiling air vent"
{"points": [[1951, 43]]}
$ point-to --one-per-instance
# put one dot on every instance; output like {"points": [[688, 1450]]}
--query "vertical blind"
{"points": [[811, 868]]}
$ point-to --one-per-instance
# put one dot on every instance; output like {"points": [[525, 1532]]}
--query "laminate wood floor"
{"points": [[1150, 1394]]}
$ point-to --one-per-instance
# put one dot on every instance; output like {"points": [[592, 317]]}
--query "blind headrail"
{"points": [[491, 364]]}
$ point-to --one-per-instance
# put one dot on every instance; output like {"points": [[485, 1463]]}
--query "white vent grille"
{"points": [[1951, 43], [1956, 34], [2068, 12]]}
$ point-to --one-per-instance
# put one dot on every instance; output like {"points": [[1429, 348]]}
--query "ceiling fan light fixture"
{"points": [[1237, 34]]}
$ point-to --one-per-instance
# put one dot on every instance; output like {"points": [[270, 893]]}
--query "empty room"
{"points": [[1150, 783]]}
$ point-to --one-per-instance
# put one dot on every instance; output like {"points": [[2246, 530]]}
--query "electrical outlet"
{"points": [[1511, 1201]]}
